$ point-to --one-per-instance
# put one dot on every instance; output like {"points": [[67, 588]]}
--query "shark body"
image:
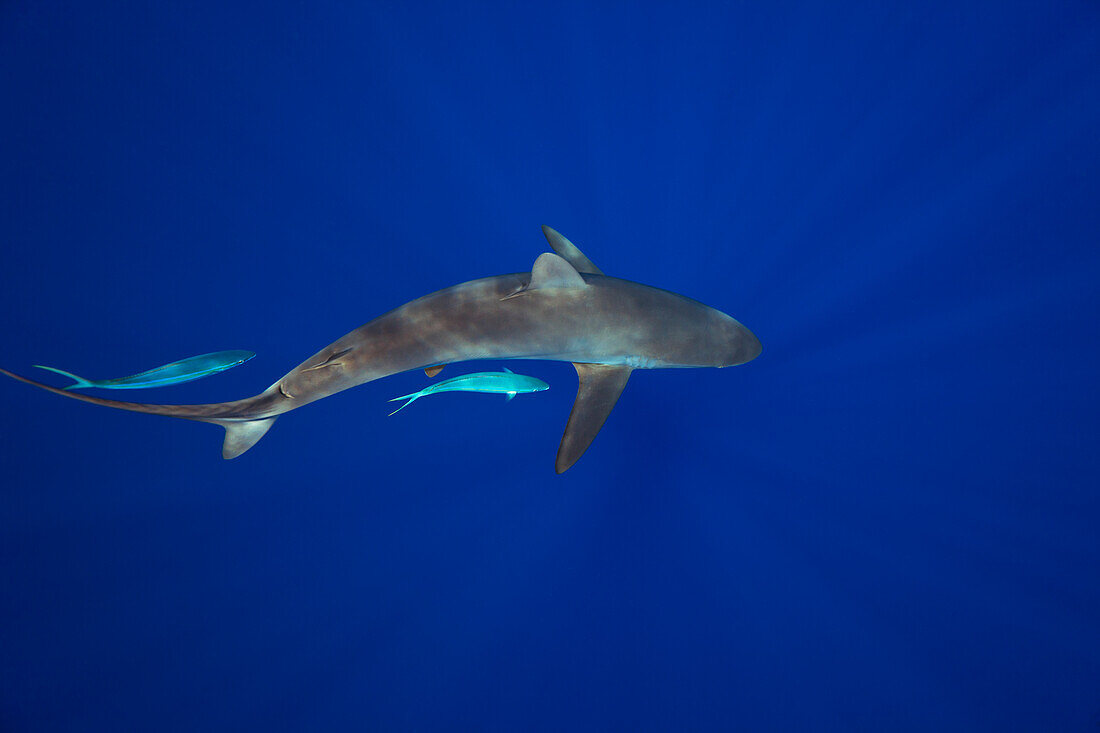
{"points": [[565, 309]]}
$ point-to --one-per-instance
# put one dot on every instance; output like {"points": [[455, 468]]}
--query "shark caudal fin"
{"points": [[242, 435], [81, 382], [244, 420]]}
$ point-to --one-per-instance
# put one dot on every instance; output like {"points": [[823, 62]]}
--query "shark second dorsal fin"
{"points": [[597, 392], [551, 271], [569, 251]]}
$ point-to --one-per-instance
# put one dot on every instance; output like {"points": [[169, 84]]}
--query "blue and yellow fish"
{"points": [[177, 372]]}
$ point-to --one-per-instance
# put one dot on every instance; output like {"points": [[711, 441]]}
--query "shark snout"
{"points": [[744, 345], [751, 345]]}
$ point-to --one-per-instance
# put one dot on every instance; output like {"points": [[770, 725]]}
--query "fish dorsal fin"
{"points": [[551, 271], [508, 370], [569, 251], [597, 392], [433, 370]]}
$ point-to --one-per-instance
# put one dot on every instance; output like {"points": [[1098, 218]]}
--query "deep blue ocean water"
{"points": [[887, 522]]}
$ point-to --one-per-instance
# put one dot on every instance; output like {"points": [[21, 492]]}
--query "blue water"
{"points": [[887, 522]]}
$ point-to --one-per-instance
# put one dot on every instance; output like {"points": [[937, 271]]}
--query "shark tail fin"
{"points": [[411, 399], [240, 435], [243, 420], [80, 382]]}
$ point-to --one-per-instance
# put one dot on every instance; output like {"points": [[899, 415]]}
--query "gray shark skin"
{"points": [[565, 309]]}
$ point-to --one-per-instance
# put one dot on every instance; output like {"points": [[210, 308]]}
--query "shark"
{"points": [[564, 309]]}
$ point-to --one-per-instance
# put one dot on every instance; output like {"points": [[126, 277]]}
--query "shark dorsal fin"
{"points": [[569, 251], [551, 271], [597, 392]]}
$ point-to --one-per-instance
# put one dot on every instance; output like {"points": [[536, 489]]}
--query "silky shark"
{"points": [[565, 309]]}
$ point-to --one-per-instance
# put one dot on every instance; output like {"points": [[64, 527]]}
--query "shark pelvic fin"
{"points": [[597, 392], [552, 271], [569, 251], [433, 370], [242, 435]]}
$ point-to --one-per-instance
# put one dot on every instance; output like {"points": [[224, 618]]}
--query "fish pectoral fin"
{"points": [[597, 392], [510, 396], [433, 370], [569, 251]]}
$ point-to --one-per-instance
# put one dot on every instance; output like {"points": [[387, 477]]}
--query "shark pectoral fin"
{"points": [[240, 435], [433, 370], [597, 392], [569, 251]]}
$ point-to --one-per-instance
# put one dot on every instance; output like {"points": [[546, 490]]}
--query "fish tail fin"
{"points": [[240, 435], [411, 399], [81, 382]]}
